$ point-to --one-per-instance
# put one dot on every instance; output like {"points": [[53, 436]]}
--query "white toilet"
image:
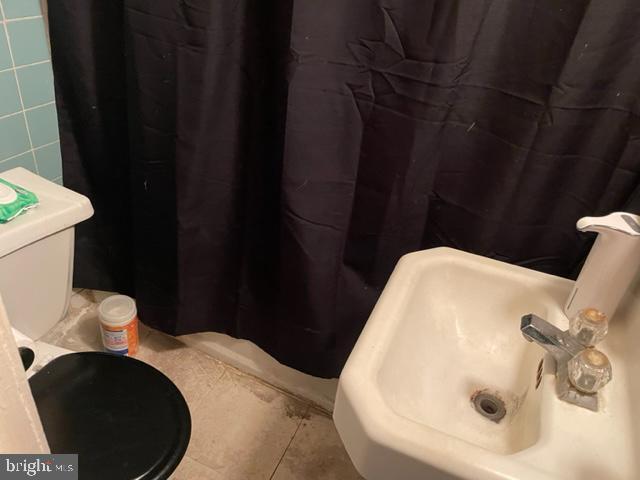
{"points": [[39, 246], [88, 402]]}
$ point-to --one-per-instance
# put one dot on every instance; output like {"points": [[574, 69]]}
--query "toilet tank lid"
{"points": [[59, 208]]}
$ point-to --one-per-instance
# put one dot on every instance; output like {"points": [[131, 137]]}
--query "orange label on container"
{"points": [[123, 339]]}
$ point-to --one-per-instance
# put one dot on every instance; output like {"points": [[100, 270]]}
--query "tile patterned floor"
{"points": [[242, 428]]}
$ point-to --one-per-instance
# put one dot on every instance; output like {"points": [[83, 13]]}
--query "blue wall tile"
{"points": [[49, 161], [21, 8], [26, 82], [9, 98], [36, 84], [13, 136], [25, 160], [43, 125], [5, 56], [28, 41]]}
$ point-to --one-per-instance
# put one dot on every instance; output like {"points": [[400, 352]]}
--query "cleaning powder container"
{"points": [[119, 324]]}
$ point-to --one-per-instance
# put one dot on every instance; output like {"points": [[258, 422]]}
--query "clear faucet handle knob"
{"points": [[589, 326], [590, 370]]}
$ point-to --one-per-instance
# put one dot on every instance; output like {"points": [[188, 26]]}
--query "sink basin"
{"points": [[441, 384]]}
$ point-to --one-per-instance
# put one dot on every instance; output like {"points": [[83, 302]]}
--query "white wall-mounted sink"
{"points": [[446, 327]]}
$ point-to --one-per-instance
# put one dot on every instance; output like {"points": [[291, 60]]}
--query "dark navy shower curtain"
{"points": [[258, 167]]}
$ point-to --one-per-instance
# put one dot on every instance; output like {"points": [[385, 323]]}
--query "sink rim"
{"points": [[358, 383]]}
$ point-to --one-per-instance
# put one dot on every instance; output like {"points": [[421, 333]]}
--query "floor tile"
{"points": [[94, 296], [241, 428], [80, 330], [191, 470], [193, 372], [316, 452]]}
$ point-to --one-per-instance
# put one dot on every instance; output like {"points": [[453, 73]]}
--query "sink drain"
{"points": [[489, 405]]}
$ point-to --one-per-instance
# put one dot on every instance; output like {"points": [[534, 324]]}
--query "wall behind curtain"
{"points": [[258, 168]]}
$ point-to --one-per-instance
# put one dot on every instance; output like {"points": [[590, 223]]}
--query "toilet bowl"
{"points": [[36, 263], [36, 354], [111, 410]]}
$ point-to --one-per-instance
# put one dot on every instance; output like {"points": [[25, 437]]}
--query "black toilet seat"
{"points": [[124, 418]]}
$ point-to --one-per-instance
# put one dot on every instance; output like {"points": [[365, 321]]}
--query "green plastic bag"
{"points": [[14, 200]]}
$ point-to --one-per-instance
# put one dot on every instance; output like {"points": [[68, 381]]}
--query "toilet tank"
{"points": [[36, 254]]}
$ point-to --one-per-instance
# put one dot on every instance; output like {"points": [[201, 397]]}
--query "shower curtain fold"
{"points": [[257, 168]]}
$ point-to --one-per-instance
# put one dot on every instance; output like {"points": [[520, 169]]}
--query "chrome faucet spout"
{"points": [[563, 347], [560, 344]]}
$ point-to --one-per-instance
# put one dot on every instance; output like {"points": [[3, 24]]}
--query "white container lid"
{"points": [[117, 310], [59, 209]]}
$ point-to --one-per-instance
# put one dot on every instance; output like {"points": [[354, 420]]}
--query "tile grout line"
{"points": [[28, 151], [10, 114], [20, 19], [282, 390], [15, 74], [20, 67], [46, 104], [198, 462], [46, 145], [275, 470], [28, 109]]}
